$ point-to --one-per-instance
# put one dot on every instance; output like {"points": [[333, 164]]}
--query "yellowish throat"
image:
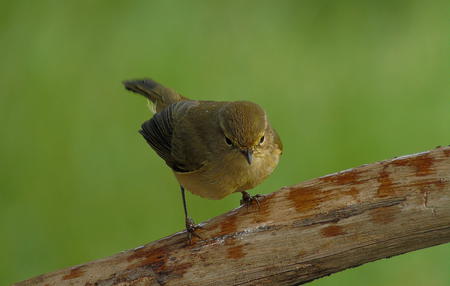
{"points": [[214, 148]]}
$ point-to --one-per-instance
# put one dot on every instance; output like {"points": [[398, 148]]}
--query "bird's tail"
{"points": [[158, 94]]}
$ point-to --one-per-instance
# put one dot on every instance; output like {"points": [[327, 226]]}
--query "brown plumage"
{"points": [[214, 148]]}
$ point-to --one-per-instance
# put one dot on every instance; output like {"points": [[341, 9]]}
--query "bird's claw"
{"points": [[191, 227], [247, 199]]}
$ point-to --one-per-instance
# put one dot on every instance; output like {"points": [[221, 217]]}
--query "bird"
{"points": [[214, 148]]}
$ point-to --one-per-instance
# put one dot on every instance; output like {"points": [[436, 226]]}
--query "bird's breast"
{"points": [[218, 178]]}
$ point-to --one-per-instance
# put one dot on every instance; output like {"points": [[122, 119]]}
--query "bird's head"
{"points": [[243, 124]]}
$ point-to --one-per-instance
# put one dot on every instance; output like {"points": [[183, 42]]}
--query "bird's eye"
{"points": [[261, 140], [228, 141]]}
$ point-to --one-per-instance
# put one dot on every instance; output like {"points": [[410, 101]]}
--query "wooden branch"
{"points": [[298, 234]]}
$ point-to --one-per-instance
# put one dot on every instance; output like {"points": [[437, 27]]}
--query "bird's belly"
{"points": [[199, 183], [216, 181]]}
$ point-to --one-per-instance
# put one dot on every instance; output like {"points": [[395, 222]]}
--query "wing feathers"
{"points": [[158, 133]]}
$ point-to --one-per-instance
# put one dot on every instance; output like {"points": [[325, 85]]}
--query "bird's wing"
{"points": [[158, 132]]}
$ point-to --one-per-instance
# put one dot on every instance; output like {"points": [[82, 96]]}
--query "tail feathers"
{"points": [[145, 87], [160, 95]]}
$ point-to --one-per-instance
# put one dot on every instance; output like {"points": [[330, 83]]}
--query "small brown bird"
{"points": [[214, 148]]}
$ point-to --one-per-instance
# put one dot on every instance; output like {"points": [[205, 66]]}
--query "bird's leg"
{"points": [[190, 225], [247, 199]]}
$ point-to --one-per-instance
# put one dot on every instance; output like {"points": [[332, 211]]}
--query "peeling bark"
{"points": [[298, 233]]}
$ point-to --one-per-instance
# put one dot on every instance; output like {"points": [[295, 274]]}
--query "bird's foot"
{"points": [[248, 200], [191, 227]]}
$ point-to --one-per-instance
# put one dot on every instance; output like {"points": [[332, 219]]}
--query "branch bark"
{"points": [[298, 234]]}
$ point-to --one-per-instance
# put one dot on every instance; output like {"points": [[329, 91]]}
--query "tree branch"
{"points": [[298, 234]]}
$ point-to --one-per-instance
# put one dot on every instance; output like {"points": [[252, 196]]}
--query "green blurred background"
{"points": [[344, 83]]}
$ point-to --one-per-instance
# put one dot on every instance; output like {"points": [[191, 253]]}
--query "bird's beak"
{"points": [[248, 155]]}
